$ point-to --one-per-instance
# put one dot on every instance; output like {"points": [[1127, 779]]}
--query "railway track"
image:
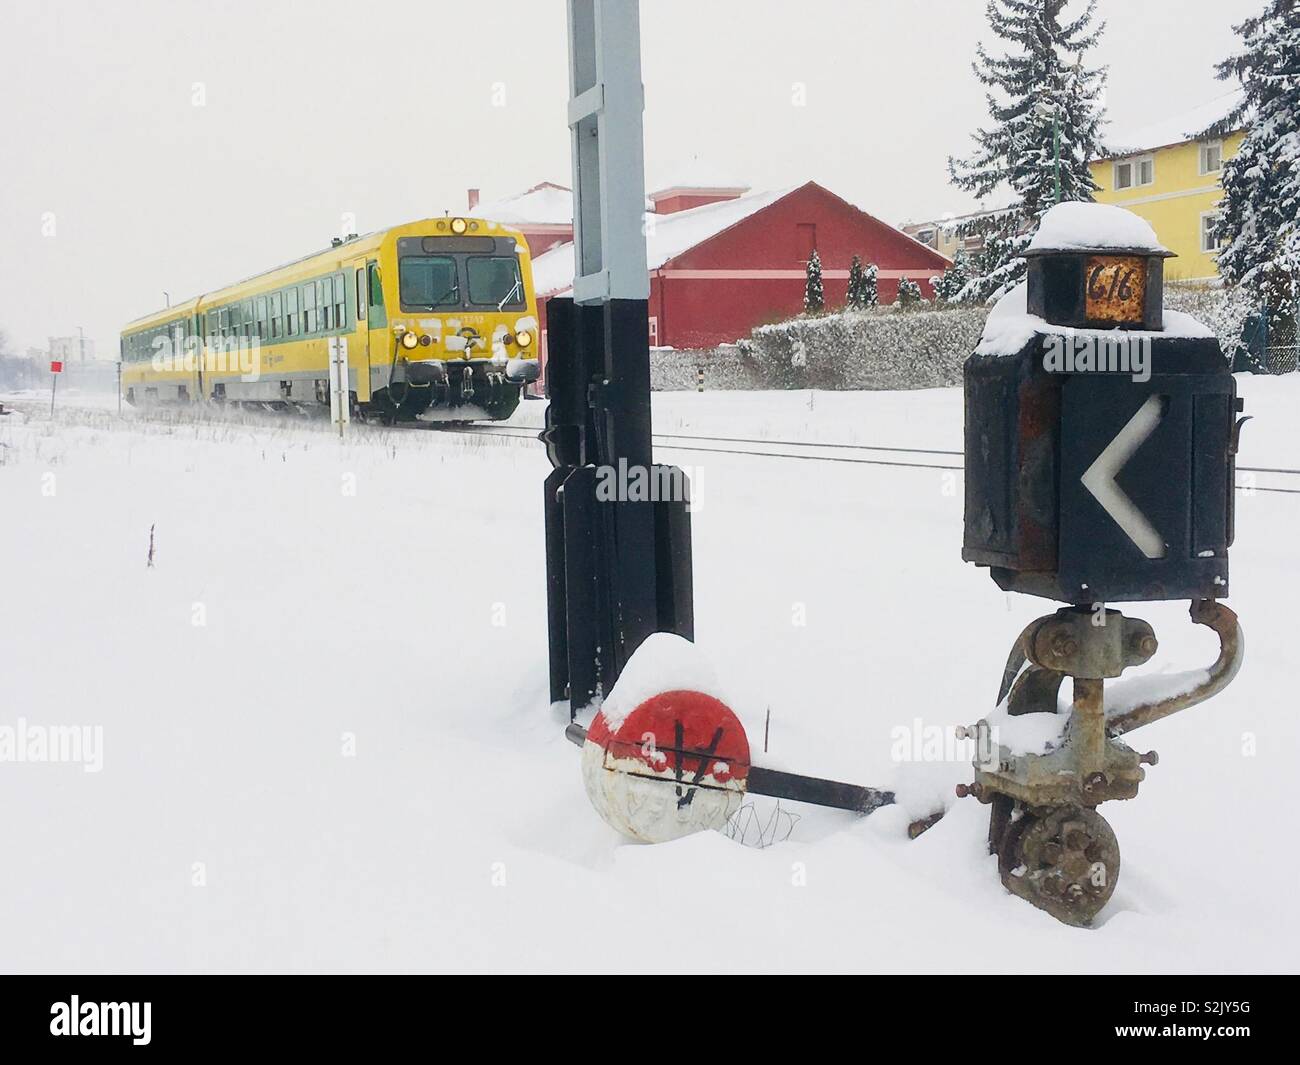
{"points": [[852, 454], [753, 447]]}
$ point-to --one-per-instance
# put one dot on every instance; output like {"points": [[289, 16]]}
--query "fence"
{"points": [[1269, 345]]}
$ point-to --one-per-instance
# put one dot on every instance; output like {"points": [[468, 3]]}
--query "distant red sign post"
{"points": [[56, 368]]}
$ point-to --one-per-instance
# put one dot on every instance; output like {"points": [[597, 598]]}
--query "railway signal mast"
{"points": [[618, 569]]}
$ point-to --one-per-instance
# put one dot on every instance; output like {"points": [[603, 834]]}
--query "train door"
{"points": [[177, 342], [361, 307], [378, 341], [194, 347]]}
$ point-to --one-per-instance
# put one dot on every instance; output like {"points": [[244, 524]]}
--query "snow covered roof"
{"points": [[667, 236], [1186, 125], [546, 204], [695, 173], [1094, 227], [1010, 326]]}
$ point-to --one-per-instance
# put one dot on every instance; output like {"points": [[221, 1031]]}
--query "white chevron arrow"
{"points": [[1099, 479]]}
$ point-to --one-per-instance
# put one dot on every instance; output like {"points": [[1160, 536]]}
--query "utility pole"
{"points": [[1054, 110], [1056, 152]]}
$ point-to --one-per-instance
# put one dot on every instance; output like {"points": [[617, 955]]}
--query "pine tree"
{"points": [[953, 280], [1043, 86], [870, 290], [814, 298], [1260, 219], [909, 294], [853, 300]]}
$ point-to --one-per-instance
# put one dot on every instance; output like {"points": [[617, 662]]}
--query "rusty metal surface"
{"points": [[1054, 850], [1035, 692], [1232, 650], [1115, 288], [1064, 861], [1079, 772], [1079, 642]]}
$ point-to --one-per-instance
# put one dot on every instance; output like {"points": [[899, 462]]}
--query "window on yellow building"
{"points": [[1211, 237], [1211, 157], [1130, 173]]}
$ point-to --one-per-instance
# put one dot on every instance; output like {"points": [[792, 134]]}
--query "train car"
{"points": [[439, 317]]}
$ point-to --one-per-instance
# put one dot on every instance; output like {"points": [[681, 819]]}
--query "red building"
{"points": [[722, 262]]}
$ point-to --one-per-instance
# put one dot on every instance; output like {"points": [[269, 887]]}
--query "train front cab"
{"points": [[451, 302]]}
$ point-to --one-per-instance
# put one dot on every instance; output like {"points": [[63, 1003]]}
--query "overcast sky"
{"points": [[178, 145]]}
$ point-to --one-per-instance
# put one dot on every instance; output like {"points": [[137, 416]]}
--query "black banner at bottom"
{"points": [[336, 1013]]}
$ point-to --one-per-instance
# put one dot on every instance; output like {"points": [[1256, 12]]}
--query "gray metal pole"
{"points": [[617, 570]]}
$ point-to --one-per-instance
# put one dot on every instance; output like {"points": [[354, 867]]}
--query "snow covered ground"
{"points": [[326, 743]]}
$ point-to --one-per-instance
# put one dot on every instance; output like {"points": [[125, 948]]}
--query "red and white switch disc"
{"points": [[676, 764]]}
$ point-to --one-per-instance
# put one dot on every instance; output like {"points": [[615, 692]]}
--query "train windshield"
{"points": [[428, 281], [494, 280]]}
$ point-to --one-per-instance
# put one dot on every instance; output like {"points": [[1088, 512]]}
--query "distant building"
{"points": [[72, 349], [945, 234], [1170, 175], [723, 260]]}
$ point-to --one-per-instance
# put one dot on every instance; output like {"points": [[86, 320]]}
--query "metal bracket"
{"points": [[1232, 649]]}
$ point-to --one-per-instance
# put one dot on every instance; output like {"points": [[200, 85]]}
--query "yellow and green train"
{"points": [[439, 317]]}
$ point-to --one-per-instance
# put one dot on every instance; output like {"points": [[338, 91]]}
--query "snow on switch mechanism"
{"points": [[1100, 444]]}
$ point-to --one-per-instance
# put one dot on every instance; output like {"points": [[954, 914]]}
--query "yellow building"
{"points": [[1171, 178]]}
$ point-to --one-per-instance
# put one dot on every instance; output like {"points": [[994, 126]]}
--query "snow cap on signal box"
{"points": [[1096, 266]]}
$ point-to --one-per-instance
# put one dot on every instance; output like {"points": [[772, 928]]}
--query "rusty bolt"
{"points": [[1093, 781], [974, 790], [1150, 758], [962, 790], [1077, 840]]}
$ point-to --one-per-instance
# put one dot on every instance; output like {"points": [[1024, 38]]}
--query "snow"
{"points": [[1093, 227], [667, 236], [544, 204], [1173, 129], [1126, 695], [1028, 733], [1010, 326], [357, 744], [694, 173], [664, 662]]}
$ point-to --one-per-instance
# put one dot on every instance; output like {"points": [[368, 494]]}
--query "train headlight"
{"points": [[458, 226], [409, 340], [524, 338]]}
